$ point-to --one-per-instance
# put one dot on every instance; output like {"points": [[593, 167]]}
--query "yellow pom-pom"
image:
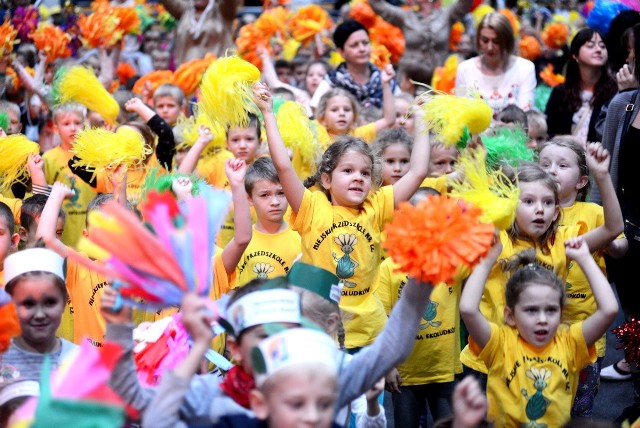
{"points": [[99, 150], [189, 127], [297, 134], [448, 115], [226, 94], [79, 84], [491, 191], [14, 153]]}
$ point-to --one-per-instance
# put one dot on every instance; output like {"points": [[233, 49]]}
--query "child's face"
{"points": [[350, 182], [537, 314], [96, 120], [301, 397], [160, 59], [537, 136], [562, 164], [339, 115], [15, 126], [40, 305], [167, 108], [67, 125], [300, 72], [442, 160], [269, 201], [315, 75], [403, 118], [465, 45], [243, 143], [395, 163], [28, 237], [284, 74], [537, 209]]}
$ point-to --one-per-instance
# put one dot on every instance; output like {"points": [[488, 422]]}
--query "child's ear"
{"points": [[15, 240], [555, 216], [250, 199], [85, 233], [325, 180], [234, 349], [22, 232], [509, 317], [332, 322], [258, 404], [582, 182]]}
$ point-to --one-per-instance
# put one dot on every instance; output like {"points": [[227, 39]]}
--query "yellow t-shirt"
{"points": [[366, 132], [14, 205], [135, 182], [580, 303], [65, 330], [493, 300], [528, 384], [438, 183], [268, 255], [435, 357], [56, 169], [347, 241], [85, 287]]}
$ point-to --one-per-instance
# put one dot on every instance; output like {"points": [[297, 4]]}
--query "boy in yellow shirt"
{"points": [[274, 245]]}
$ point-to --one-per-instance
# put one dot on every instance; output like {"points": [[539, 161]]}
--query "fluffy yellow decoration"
{"points": [[79, 84], [491, 191], [297, 134], [14, 153], [189, 130], [448, 115], [226, 94], [98, 149]]}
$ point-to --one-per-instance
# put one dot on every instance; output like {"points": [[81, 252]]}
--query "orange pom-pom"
{"points": [[274, 22], [529, 48], [125, 72], [555, 35], [389, 36], [362, 12], [154, 79], [380, 56], [550, 78], [189, 74], [128, 20], [435, 239], [513, 20], [444, 78], [9, 325], [309, 21], [249, 38], [99, 29], [457, 30], [51, 40], [7, 38]]}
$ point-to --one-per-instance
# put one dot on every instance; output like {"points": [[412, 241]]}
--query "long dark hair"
{"points": [[606, 86]]}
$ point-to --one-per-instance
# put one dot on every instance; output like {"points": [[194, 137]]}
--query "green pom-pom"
{"points": [[4, 121], [55, 94], [162, 182], [464, 138], [543, 92], [507, 145]]}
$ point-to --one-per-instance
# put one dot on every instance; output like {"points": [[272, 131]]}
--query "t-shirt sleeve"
{"points": [[383, 201], [490, 351], [582, 353], [366, 132], [222, 282], [301, 221]]}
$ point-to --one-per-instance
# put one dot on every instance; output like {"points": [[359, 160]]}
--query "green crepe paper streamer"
{"points": [[543, 92], [167, 21], [464, 138], [161, 183], [4, 121], [507, 145], [54, 94], [146, 20]]}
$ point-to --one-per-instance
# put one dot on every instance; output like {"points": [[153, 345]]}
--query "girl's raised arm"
{"points": [[291, 184], [478, 326], [404, 188], [388, 103], [596, 325]]}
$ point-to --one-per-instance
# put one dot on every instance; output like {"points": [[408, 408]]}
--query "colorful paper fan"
{"points": [[492, 192], [25, 21], [444, 78], [225, 92], [448, 115], [155, 79], [457, 30], [550, 78], [7, 38], [529, 48], [628, 335], [14, 153], [309, 21], [9, 322], [436, 238], [128, 20], [51, 40], [362, 12], [390, 36], [125, 72], [274, 22], [555, 35], [80, 84], [297, 134], [166, 257], [99, 30], [189, 74], [249, 38], [506, 145], [99, 150]]}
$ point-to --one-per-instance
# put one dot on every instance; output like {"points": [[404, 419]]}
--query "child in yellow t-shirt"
{"points": [[534, 361], [68, 120], [274, 245]]}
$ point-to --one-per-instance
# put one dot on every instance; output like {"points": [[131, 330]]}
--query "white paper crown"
{"points": [[293, 346], [33, 260], [276, 305], [19, 388]]}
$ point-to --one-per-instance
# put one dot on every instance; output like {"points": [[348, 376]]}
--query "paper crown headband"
{"points": [[19, 388], [33, 260], [291, 347], [315, 279]]}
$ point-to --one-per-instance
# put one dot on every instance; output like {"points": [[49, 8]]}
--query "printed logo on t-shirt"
{"points": [[73, 200], [262, 270], [429, 315], [537, 403], [346, 266]]}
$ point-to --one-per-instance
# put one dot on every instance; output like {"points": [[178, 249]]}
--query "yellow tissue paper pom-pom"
{"points": [[188, 128], [491, 191], [14, 153], [99, 150], [297, 134], [448, 115], [226, 94]]}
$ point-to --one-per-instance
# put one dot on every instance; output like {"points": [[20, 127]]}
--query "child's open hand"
{"points": [[262, 97], [576, 248], [197, 318], [109, 310], [235, 170], [469, 403], [387, 74], [597, 159], [393, 381], [61, 189], [134, 105], [182, 187]]}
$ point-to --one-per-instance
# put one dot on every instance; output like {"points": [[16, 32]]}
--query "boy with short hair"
{"points": [[274, 245], [168, 102], [68, 120], [537, 129], [30, 213], [13, 113], [8, 238]]}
